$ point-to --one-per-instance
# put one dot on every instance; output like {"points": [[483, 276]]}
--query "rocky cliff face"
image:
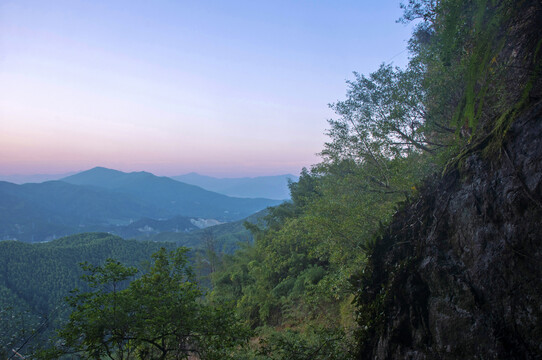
{"points": [[459, 273]]}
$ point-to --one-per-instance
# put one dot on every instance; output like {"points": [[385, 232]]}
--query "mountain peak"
{"points": [[89, 177]]}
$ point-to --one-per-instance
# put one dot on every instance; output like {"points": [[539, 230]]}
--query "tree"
{"points": [[99, 322], [159, 315], [419, 9], [209, 243], [382, 119]]}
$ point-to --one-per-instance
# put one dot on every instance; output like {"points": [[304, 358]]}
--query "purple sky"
{"points": [[223, 88]]}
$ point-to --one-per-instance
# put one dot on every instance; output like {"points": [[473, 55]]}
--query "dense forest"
{"points": [[36, 278], [318, 281]]}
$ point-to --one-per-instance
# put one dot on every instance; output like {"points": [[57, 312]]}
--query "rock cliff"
{"points": [[459, 273]]}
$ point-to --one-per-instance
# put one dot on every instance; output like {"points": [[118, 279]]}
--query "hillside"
{"points": [[35, 279], [33, 178], [225, 237], [417, 236], [40, 212]]}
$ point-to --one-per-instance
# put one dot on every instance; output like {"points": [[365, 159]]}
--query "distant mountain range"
{"points": [[33, 178], [102, 199], [271, 187], [268, 187], [171, 196]]}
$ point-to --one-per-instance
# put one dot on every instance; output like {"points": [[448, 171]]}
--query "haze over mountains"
{"points": [[33, 178], [103, 199], [271, 187]]}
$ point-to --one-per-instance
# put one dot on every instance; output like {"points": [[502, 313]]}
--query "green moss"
{"points": [[503, 123], [489, 142]]}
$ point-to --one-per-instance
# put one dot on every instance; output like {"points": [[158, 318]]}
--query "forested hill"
{"points": [[35, 278], [39, 212]]}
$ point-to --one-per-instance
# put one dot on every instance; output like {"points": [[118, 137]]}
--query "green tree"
{"points": [[381, 123], [159, 315]]}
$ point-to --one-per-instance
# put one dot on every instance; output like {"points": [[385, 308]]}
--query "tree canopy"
{"points": [[158, 315]]}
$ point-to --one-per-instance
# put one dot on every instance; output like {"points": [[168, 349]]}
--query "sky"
{"points": [[222, 88]]}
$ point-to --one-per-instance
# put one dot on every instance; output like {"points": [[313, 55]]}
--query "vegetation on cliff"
{"points": [[438, 282]]}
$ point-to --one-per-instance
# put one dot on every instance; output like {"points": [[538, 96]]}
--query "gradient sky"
{"points": [[223, 88]]}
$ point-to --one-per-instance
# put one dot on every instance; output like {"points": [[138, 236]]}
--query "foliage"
{"points": [[297, 271], [35, 278], [383, 116], [381, 125], [156, 316], [18, 325], [469, 53], [314, 343]]}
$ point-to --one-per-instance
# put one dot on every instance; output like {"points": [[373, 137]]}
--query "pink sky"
{"points": [[170, 88]]}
